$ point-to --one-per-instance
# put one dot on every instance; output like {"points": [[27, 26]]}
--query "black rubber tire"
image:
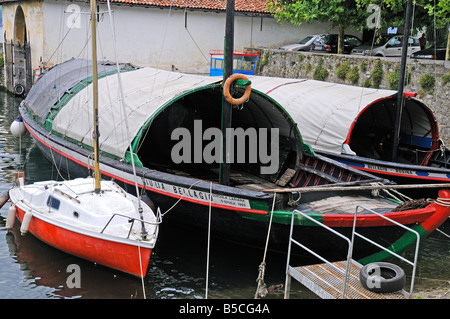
{"points": [[19, 89], [382, 277]]}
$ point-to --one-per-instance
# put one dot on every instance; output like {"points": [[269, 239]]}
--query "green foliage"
{"points": [[363, 66], [308, 67], [342, 70], [425, 11], [377, 75], [446, 78], [320, 73], [339, 12], [265, 60], [393, 77], [427, 82], [366, 83], [353, 75], [2, 60]]}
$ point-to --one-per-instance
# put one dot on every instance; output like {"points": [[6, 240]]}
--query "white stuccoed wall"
{"points": [[159, 37]]}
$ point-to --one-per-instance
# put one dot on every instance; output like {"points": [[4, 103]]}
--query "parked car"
{"points": [[329, 43], [392, 47], [433, 53], [372, 44], [303, 45]]}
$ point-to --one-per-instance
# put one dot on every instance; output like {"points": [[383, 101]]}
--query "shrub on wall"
{"points": [[377, 74], [446, 78], [342, 70], [427, 81], [353, 75], [320, 73], [392, 78]]}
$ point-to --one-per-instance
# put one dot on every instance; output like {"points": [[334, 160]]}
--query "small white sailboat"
{"points": [[106, 228], [87, 217]]}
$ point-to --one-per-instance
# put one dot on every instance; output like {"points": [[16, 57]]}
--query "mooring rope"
{"points": [[179, 199], [443, 201], [261, 289], [140, 265]]}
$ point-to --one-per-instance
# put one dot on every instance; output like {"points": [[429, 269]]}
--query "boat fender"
{"points": [[4, 197], [17, 127], [11, 218], [382, 277], [25, 223], [227, 85]]}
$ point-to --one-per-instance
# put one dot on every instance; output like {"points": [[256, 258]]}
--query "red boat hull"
{"points": [[127, 258]]}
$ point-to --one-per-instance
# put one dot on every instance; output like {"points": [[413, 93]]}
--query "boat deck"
{"points": [[328, 283]]}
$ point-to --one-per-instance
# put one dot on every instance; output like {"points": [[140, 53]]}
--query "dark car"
{"points": [[433, 53], [329, 43]]}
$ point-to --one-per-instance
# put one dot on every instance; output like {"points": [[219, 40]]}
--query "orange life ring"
{"points": [[227, 85]]}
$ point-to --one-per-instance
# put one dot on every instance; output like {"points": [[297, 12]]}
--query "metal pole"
{"points": [[401, 80], [226, 106]]}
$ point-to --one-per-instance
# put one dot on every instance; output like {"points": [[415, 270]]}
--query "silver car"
{"points": [[388, 47], [303, 45]]}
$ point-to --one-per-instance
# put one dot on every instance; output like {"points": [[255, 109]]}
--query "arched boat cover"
{"points": [[147, 93], [50, 88], [326, 112]]}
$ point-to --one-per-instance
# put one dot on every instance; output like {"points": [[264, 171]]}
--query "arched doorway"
{"points": [[18, 56]]}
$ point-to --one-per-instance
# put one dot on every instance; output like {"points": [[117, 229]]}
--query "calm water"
{"points": [[31, 269]]}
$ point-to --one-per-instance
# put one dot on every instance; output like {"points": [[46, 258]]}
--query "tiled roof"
{"points": [[244, 6], [250, 6]]}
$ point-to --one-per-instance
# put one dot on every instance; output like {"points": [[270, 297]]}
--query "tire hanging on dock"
{"points": [[382, 277]]}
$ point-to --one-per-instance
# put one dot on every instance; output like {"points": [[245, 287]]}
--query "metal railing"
{"points": [[350, 243], [416, 253], [131, 220], [349, 251]]}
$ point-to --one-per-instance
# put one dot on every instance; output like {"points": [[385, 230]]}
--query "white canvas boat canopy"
{"points": [[156, 102], [330, 115], [146, 92]]}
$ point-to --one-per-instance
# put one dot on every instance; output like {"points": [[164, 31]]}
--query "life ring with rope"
{"points": [[227, 85]]}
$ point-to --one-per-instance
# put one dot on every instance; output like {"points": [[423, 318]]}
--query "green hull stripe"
{"points": [[407, 240], [284, 218]]}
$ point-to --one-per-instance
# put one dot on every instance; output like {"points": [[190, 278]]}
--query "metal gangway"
{"points": [[340, 280]]}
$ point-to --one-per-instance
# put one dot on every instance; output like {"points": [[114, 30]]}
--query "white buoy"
{"points": [[17, 127], [11, 217], [25, 223]]}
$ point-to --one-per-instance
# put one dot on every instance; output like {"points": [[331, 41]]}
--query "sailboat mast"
{"points": [[95, 95]]}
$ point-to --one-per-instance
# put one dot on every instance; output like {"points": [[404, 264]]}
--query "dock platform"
{"points": [[328, 282]]}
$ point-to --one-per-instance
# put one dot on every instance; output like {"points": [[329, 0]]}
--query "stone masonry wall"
{"points": [[430, 79]]}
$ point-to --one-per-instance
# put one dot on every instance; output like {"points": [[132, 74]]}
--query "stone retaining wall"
{"points": [[430, 79]]}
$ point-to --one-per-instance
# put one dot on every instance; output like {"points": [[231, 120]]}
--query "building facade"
{"points": [[166, 34]]}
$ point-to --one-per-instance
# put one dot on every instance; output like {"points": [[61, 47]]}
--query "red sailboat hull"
{"points": [[127, 258]]}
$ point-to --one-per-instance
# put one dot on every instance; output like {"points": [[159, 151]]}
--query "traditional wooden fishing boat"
{"points": [[355, 126], [87, 217], [160, 101], [209, 159]]}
